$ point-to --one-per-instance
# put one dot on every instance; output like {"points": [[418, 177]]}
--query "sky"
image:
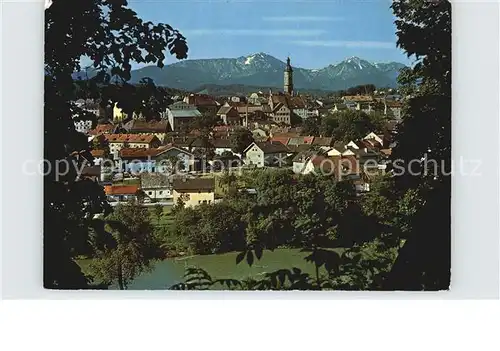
{"points": [[314, 33]]}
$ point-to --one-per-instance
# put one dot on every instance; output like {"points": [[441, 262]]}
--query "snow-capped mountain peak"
{"points": [[263, 70]]}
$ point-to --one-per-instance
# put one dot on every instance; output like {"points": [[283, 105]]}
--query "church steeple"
{"points": [[288, 77]]}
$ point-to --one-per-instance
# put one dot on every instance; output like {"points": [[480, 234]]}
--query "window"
{"points": [[150, 193], [199, 201], [161, 192]]}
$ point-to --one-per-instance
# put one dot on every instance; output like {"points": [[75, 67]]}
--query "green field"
{"points": [[170, 271]]}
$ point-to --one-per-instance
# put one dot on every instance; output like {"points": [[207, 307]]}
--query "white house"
{"points": [[180, 113], [156, 186], [266, 154], [335, 151]]}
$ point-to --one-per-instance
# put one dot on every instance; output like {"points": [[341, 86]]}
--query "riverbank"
{"points": [[171, 271]]}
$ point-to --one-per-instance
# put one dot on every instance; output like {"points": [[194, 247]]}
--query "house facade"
{"points": [[156, 186], [180, 113], [194, 191], [118, 141], [120, 193], [164, 158], [266, 154], [203, 103], [229, 115]]}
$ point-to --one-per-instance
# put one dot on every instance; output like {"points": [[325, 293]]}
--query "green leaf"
{"points": [[250, 258], [240, 257]]}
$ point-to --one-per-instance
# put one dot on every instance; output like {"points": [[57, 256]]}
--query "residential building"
{"points": [[319, 165], [300, 160], [393, 109], [121, 192], [372, 135], [119, 141], [204, 103], [282, 114], [103, 129], [222, 145], [180, 114], [266, 154], [257, 98], [156, 186], [229, 114], [335, 151], [157, 128], [160, 160], [185, 160], [194, 191], [324, 143], [98, 155]]}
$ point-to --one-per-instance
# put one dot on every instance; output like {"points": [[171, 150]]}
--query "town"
{"points": [[170, 158]]}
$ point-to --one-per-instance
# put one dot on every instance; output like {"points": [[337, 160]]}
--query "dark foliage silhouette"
{"points": [[112, 36]]}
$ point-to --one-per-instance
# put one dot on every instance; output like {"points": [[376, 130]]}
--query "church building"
{"points": [[286, 105], [288, 87]]}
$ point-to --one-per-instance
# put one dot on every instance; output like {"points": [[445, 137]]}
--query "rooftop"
{"points": [[194, 184]]}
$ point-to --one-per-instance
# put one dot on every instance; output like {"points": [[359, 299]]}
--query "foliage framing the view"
{"points": [[113, 37]]}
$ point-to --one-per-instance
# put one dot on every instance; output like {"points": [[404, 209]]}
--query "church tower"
{"points": [[288, 89]]}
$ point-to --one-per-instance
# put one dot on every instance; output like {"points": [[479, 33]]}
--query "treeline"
{"points": [[309, 212], [345, 125]]}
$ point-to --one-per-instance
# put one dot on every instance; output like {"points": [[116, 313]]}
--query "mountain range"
{"points": [[264, 70]]}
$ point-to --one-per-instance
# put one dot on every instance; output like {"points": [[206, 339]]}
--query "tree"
{"points": [[311, 126], [230, 180], [140, 195], [240, 140], [158, 212], [112, 37], [130, 248], [351, 125], [424, 32]]}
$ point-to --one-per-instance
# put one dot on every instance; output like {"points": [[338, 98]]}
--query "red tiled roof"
{"points": [[143, 126], [102, 129], [286, 135], [139, 152], [97, 153], [308, 140], [130, 138], [121, 189], [326, 164], [394, 104], [202, 100], [283, 140]]}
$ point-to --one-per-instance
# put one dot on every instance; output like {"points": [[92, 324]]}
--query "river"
{"points": [[170, 271]]}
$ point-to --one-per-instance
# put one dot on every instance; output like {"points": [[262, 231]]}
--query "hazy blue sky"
{"points": [[315, 33]]}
